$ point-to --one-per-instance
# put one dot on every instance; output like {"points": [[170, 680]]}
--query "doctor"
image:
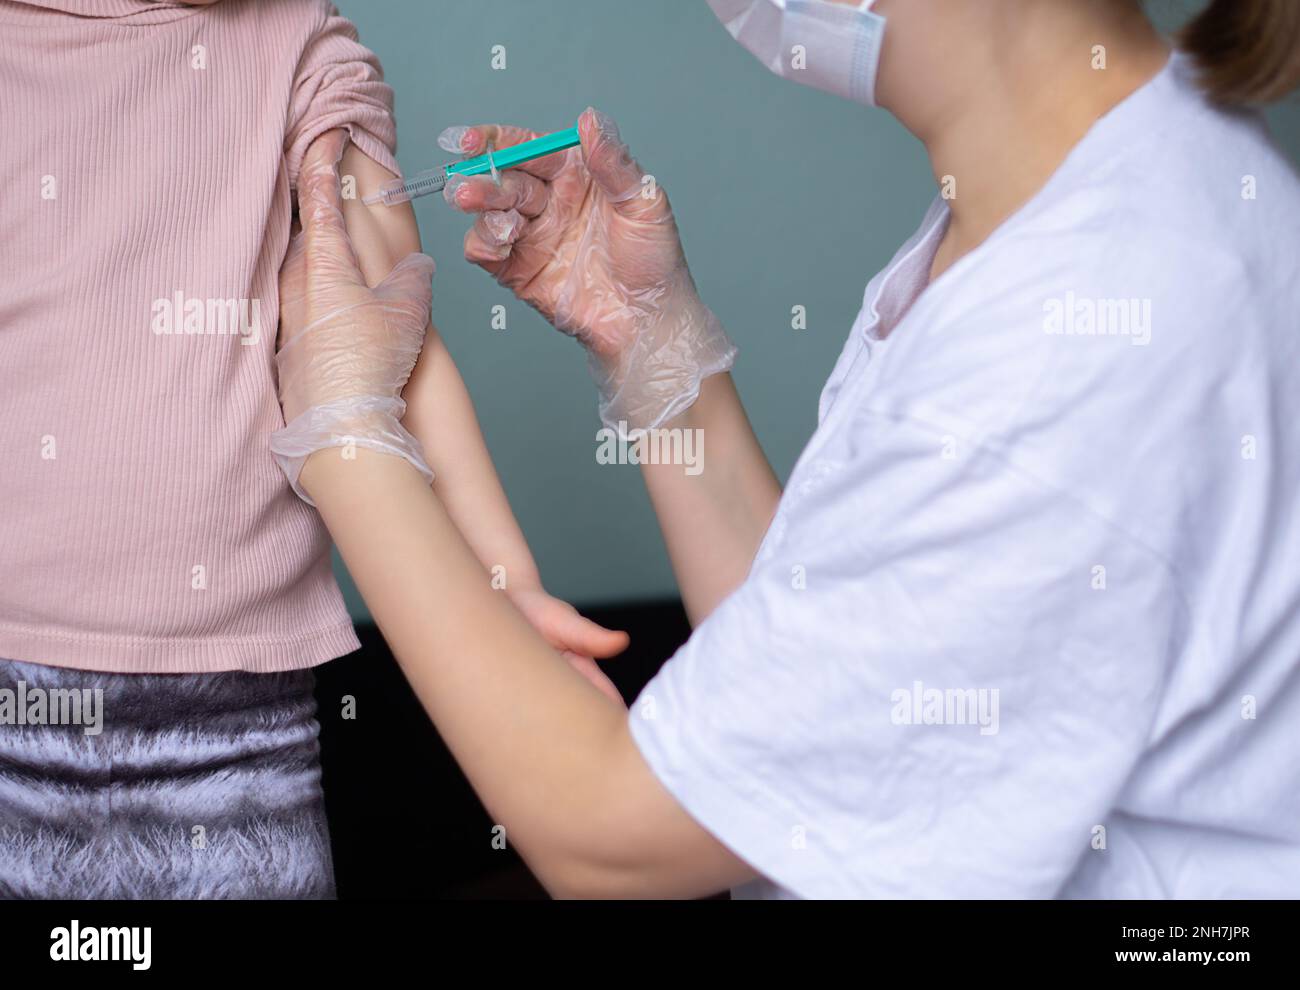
{"points": [[1026, 620]]}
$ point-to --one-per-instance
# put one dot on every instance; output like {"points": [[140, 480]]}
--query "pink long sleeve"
{"points": [[149, 151]]}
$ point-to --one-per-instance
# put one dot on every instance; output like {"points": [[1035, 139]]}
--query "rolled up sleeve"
{"points": [[339, 83]]}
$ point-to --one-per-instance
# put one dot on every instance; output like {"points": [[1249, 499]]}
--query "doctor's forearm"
{"points": [[713, 521], [468, 654], [551, 757]]}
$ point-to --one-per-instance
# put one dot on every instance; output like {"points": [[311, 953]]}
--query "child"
{"points": [[152, 554]]}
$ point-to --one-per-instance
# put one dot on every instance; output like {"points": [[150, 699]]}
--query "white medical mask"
{"points": [[831, 46]]}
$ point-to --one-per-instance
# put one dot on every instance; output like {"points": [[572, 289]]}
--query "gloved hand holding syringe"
{"points": [[589, 241]]}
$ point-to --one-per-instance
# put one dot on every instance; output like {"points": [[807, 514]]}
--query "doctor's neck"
{"points": [[1000, 91]]}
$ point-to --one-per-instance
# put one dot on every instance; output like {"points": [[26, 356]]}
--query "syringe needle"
{"points": [[404, 190]]}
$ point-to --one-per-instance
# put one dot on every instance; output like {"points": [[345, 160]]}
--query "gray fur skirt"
{"points": [[176, 786]]}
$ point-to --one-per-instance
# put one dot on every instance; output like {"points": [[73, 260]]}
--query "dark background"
{"points": [[403, 819]]}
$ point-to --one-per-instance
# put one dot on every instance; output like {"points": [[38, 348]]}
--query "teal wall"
{"points": [[766, 228]]}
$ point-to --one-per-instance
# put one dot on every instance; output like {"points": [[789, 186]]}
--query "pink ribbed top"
{"points": [[149, 152]]}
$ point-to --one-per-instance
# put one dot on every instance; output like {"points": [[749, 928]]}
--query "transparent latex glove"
{"points": [[589, 241], [345, 350]]}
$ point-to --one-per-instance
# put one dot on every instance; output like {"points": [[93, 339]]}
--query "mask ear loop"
{"points": [[496, 175]]}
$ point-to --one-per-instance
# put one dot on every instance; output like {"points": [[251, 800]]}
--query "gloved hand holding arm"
{"points": [[587, 241], [327, 315]]}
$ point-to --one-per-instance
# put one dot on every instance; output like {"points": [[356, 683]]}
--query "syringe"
{"points": [[435, 180]]}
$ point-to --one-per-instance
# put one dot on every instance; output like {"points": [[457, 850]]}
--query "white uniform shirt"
{"points": [[1027, 622]]}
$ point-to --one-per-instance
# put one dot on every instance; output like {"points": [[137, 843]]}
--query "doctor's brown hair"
{"points": [[1248, 51]]}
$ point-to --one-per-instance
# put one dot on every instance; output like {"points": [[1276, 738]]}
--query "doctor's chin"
{"points": [[489, 454]]}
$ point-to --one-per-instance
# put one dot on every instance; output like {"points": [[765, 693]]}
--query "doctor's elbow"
{"points": [[588, 878]]}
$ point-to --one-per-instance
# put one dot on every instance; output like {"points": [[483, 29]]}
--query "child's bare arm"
{"points": [[439, 410]]}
